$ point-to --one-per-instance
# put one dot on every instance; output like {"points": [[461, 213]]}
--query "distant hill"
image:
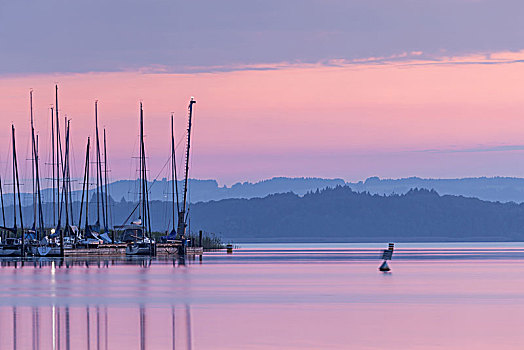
{"points": [[503, 189], [342, 215], [336, 215], [200, 190], [206, 190]]}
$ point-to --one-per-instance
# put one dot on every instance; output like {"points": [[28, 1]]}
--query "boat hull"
{"points": [[47, 251], [139, 249], [5, 252]]}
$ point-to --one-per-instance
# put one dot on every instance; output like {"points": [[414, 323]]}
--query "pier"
{"points": [[119, 249]]}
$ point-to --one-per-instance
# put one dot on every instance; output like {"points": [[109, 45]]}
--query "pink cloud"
{"points": [[296, 114]]}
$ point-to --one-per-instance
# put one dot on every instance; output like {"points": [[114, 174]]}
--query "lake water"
{"points": [[327, 296]]}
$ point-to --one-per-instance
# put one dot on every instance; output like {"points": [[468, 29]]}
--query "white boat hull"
{"points": [[135, 249], [47, 251]]}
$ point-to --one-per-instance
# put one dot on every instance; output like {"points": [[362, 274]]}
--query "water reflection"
{"points": [[95, 327], [289, 298], [97, 262]]}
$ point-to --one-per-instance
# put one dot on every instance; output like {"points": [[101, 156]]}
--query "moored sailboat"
{"points": [[138, 235]]}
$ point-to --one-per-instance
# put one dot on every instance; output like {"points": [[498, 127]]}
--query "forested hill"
{"points": [[342, 215], [332, 215]]}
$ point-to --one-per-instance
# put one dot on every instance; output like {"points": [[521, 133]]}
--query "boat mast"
{"points": [[97, 173], [58, 153], [88, 166], [65, 190], [2, 235], [52, 163], [174, 178], [140, 172], [65, 180], [38, 190], [15, 228], [84, 187], [37, 200], [146, 223], [2, 200], [16, 189], [106, 227], [182, 213], [33, 176], [69, 190], [99, 180]]}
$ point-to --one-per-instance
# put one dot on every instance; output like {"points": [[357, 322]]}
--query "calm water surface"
{"points": [[328, 296]]}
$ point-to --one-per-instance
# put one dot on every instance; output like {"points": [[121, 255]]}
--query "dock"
{"points": [[164, 249]]}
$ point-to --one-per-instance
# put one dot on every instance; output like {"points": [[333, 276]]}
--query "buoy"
{"points": [[229, 248], [384, 267]]}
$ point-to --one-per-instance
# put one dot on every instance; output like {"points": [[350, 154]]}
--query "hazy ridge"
{"points": [[503, 189], [336, 215]]}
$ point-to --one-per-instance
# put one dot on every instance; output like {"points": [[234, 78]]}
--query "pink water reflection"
{"points": [[231, 303]]}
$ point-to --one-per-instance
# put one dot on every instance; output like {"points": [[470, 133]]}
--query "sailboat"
{"points": [[37, 231], [97, 231], [182, 213], [138, 234], [182, 208], [171, 237], [60, 238], [14, 246]]}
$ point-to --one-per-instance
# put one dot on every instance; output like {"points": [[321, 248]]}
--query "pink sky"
{"points": [[415, 118]]}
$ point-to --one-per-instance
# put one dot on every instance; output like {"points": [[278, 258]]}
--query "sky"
{"points": [[329, 88]]}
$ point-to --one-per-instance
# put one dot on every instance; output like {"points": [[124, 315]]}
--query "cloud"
{"points": [[400, 60], [480, 149], [59, 36]]}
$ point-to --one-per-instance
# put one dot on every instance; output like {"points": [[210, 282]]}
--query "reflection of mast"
{"points": [[14, 328], [88, 321], [58, 338], [105, 328], [188, 325], [184, 338], [53, 328], [173, 329], [36, 329], [97, 327], [68, 330], [142, 327]]}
